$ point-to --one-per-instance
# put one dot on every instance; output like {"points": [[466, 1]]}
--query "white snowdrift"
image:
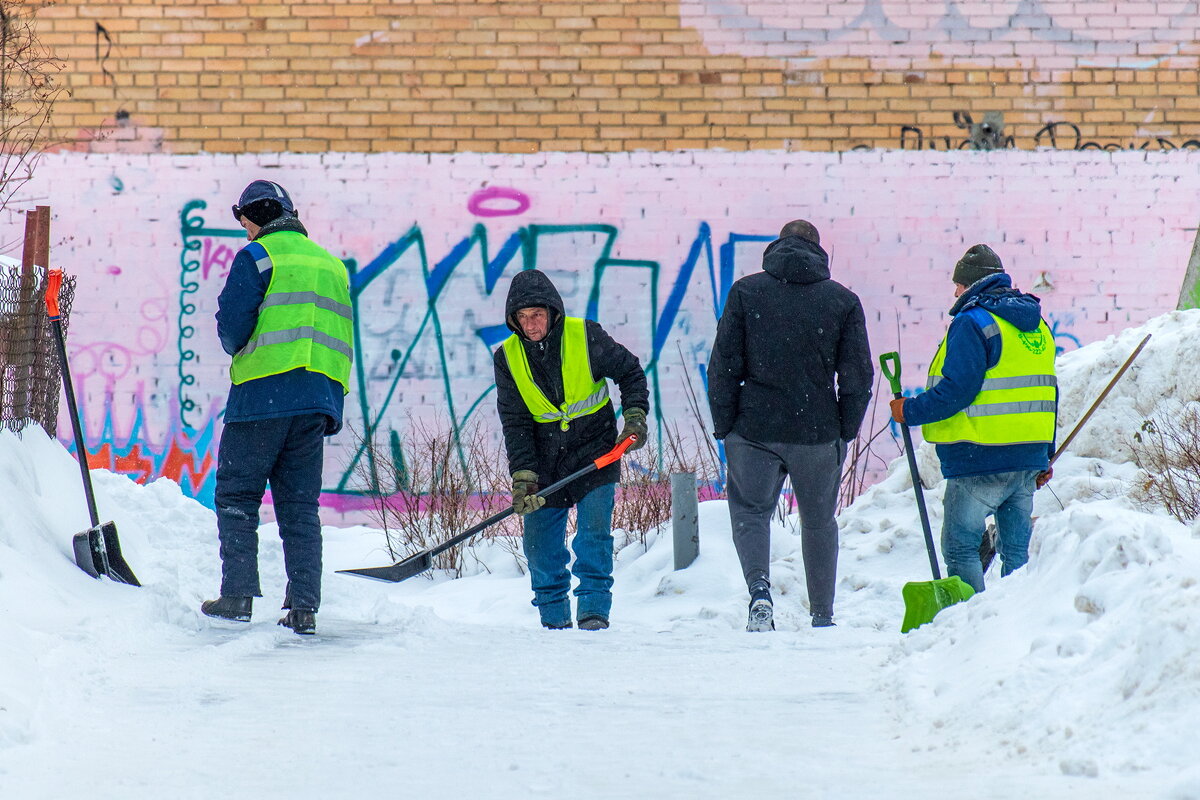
{"points": [[1090, 657], [1078, 676]]}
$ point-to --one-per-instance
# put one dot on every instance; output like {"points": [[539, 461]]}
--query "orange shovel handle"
{"points": [[53, 284], [616, 453]]}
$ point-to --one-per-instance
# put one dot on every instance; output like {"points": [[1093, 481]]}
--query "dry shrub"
{"points": [[433, 484], [644, 494], [1167, 450], [861, 458], [643, 497]]}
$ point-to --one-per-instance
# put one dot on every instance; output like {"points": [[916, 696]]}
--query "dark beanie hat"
{"points": [[978, 262]]}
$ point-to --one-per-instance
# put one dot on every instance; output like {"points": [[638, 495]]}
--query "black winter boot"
{"points": [[300, 620], [593, 623], [762, 611], [235, 609]]}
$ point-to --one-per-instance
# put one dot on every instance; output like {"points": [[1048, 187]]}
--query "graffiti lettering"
{"points": [[989, 135], [440, 342], [218, 256], [101, 31], [1067, 136]]}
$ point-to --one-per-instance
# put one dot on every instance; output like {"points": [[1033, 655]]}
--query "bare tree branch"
{"points": [[29, 87]]}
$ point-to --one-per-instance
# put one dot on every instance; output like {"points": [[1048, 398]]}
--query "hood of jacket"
{"points": [[532, 288], [284, 223], [794, 259], [995, 294]]}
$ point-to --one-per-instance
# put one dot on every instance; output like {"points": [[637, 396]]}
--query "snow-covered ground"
{"points": [[1077, 677]]}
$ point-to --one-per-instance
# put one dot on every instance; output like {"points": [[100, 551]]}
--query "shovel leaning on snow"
{"points": [[422, 561], [922, 599], [97, 550]]}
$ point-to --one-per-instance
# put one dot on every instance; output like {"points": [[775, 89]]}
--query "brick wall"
{"points": [[647, 243], [229, 76]]}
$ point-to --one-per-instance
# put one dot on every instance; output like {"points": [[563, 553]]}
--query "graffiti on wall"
{"points": [[1000, 33], [646, 244], [990, 134], [437, 338]]}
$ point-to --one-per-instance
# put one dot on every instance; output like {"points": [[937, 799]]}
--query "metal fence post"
{"points": [[685, 518]]}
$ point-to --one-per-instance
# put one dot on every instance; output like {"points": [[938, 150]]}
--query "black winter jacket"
{"points": [[544, 447], [784, 337]]}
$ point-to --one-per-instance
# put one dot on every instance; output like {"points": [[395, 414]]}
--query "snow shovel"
{"points": [[922, 599], [987, 550], [422, 561], [97, 550]]}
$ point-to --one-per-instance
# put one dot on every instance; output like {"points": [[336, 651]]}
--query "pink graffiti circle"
{"points": [[480, 202]]}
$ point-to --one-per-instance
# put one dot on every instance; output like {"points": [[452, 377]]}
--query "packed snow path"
{"points": [[433, 708]]}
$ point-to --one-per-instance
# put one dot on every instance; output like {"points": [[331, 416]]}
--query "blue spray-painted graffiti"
{"points": [[388, 356]]}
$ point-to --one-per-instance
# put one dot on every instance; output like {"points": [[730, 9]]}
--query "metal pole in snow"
{"points": [[685, 518]]}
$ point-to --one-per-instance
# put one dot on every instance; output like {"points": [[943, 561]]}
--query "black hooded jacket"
{"points": [[544, 447], [790, 362]]}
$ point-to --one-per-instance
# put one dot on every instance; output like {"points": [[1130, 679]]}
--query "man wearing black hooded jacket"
{"points": [[534, 381], [789, 380]]}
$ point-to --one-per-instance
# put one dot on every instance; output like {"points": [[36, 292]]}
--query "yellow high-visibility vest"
{"points": [[1016, 403], [305, 319], [582, 394]]}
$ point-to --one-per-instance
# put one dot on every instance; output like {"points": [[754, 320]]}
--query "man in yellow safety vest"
{"points": [[285, 316], [552, 396], [990, 405]]}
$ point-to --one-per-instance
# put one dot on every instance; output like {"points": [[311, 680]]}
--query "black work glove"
{"points": [[635, 425], [524, 492]]}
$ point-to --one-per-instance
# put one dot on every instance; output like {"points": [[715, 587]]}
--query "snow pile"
{"points": [[1076, 676], [1089, 658], [1164, 376]]}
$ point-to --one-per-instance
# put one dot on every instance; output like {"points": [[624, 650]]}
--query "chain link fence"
{"points": [[30, 381]]}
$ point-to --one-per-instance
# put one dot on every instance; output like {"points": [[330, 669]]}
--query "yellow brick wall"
{"points": [[228, 76]]}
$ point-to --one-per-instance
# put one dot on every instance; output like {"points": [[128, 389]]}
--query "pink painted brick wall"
{"points": [[1102, 237]]}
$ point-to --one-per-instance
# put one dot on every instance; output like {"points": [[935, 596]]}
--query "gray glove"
{"points": [[524, 492]]}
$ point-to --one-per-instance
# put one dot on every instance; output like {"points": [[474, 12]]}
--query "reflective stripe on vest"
{"points": [[1016, 404], [305, 319], [582, 395]]}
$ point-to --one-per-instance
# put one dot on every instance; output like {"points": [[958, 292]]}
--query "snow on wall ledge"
{"points": [[648, 243]]}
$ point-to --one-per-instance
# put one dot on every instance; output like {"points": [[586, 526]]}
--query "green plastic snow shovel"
{"points": [[922, 599]]}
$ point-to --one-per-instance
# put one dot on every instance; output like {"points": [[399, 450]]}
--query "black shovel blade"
{"points": [[86, 556], [98, 552], [401, 570]]}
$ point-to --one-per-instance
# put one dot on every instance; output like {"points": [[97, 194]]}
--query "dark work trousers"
{"points": [[287, 451], [756, 474]]}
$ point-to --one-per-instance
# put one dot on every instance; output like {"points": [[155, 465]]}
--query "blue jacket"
{"points": [[291, 393], [969, 354]]}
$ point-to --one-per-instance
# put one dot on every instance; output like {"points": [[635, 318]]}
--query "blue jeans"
{"points": [[1007, 495], [545, 543]]}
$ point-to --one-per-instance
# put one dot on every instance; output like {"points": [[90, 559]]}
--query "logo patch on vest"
{"points": [[1034, 341]]}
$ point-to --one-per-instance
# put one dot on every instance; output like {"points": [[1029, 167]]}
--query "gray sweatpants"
{"points": [[756, 474]]}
